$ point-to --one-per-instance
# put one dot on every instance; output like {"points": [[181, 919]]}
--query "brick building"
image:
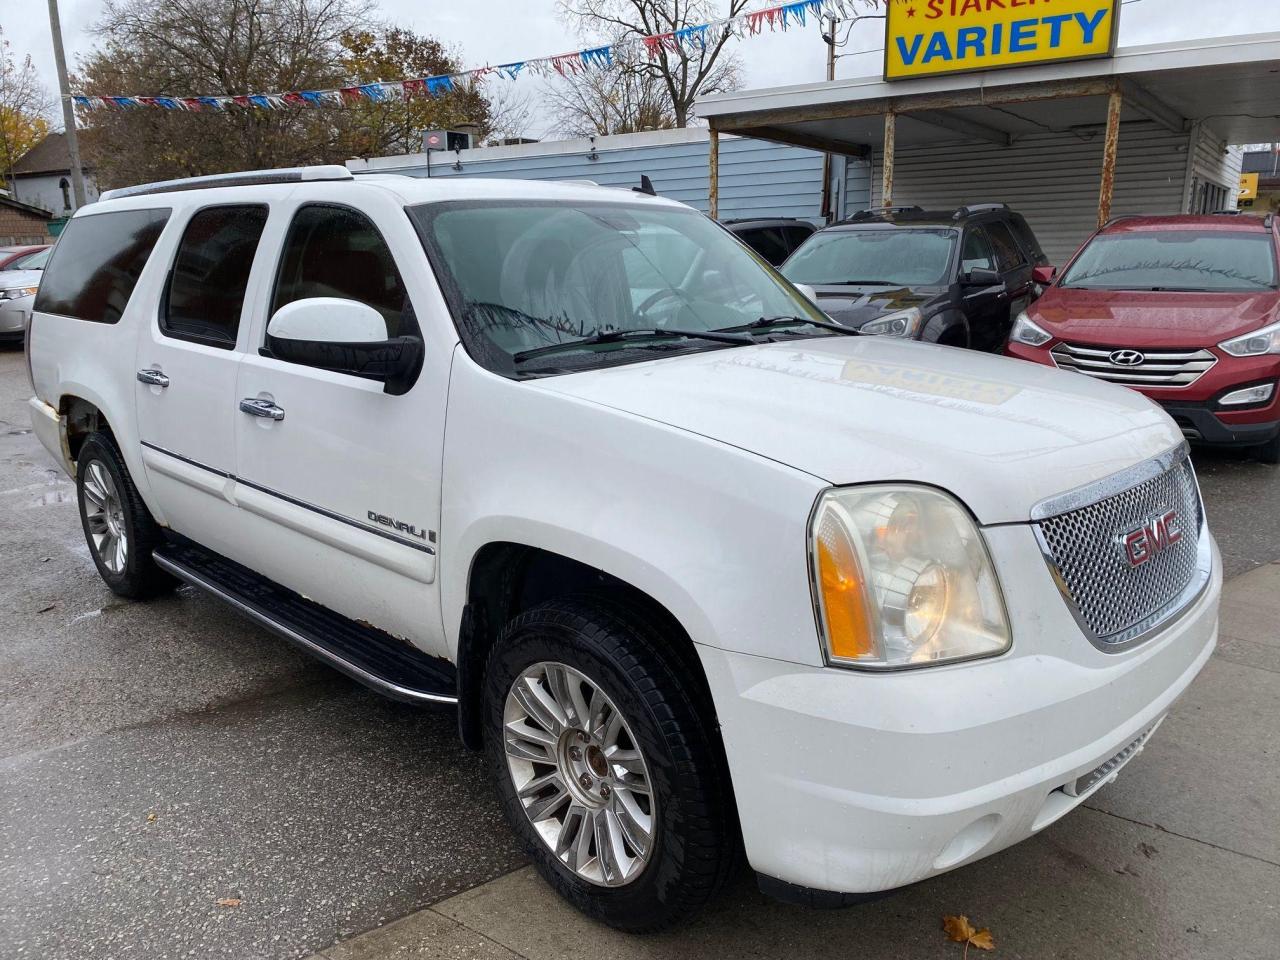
{"points": [[21, 223]]}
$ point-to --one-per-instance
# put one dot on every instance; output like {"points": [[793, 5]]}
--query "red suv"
{"points": [[1185, 309]]}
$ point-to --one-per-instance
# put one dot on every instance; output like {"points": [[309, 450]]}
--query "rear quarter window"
{"points": [[97, 262]]}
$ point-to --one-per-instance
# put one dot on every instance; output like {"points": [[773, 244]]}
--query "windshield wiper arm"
{"points": [[859, 283], [767, 323], [613, 336]]}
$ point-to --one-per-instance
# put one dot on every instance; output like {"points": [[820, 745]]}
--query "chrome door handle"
{"points": [[261, 408], [154, 377]]}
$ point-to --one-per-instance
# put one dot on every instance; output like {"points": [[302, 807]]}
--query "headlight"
{"points": [[13, 293], [902, 578], [1024, 331], [904, 323], [1266, 340]]}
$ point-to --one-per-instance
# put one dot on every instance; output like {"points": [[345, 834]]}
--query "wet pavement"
{"points": [[158, 758]]}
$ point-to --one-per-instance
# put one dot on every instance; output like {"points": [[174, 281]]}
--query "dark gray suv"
{"points": [[957, 277]]}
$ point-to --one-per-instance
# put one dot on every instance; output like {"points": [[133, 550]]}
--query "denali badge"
{"points": [[399, 525], [1155, 536]]}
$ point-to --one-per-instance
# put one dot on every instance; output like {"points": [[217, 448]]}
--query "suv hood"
{"points": [[854, 305], [1153, 318], [1000, 434]]}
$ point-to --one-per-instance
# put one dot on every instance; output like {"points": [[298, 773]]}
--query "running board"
{"points": [[392, 667]]}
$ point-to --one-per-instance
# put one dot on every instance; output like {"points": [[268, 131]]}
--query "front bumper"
{"points": [[851, 783], [14, 317], [1201, 422]]}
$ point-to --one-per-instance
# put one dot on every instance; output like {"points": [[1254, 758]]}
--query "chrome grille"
{"points": [[1157, 368], [1114, 600]]}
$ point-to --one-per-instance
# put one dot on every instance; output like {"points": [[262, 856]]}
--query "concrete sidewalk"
{"points": [[1180, 858]]}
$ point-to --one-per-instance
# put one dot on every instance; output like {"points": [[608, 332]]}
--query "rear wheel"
{"points": [[605, 767], [118, 527]]}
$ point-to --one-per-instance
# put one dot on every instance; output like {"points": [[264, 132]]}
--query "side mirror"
{"points": [[809, 292], [344, 336], [980, 277], [1043, 275]]}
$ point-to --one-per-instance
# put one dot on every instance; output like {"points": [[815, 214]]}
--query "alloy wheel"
{"points": [[104, 514], [580, 774]]}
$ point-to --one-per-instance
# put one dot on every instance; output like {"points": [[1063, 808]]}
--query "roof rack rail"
{"points": [[969, 209], [245, 179], [868, 213]]}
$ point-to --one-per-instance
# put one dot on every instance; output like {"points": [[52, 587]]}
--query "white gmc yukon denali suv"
{"points": [[701, 572]]}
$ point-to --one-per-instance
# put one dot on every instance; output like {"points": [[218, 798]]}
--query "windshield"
{"points": [[32, 261], [523, 276], [900, 257], [1210, 260]]}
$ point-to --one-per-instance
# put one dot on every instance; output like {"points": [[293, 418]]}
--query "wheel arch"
{"points": [[508, 577]]}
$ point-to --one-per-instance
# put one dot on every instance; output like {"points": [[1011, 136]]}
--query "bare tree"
{"points": [[511, 111], [622, 99], [24, 103], [685, 70]]}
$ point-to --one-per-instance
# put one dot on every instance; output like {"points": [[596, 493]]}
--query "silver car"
{"points": [[18, 293]]}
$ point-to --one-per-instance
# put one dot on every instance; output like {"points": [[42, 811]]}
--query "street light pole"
{"points": [[68, 108]]}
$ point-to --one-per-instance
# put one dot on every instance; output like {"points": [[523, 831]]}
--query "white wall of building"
{"points": [[44, 191]]}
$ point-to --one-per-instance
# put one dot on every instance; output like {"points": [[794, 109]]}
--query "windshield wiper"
{"points": [[768, 323], [613, 336]]}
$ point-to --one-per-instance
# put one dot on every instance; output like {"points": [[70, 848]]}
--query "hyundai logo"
{"points": [[1127, 358]]}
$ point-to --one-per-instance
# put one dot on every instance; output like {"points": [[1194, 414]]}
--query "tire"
{"points": [[1268, 452], [691, 845], [112, 513]]}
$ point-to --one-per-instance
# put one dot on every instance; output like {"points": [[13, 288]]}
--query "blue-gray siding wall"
{"points": [[757, 179]]}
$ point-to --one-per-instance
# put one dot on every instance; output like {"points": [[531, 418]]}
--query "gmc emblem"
{"points": [[1155, 536]]}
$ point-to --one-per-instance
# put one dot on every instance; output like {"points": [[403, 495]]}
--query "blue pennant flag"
{"points": [[597, 57], [169, 103], [693, 36], [259, 100], [373, 91], [81, 101], [213, 103], [510, 70], [314, 97], [439, 85]]}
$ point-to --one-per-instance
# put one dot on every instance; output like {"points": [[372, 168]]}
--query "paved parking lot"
{"points": [[157, 758]]}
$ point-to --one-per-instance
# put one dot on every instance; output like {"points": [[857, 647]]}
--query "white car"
{"points": [[699, 570]]}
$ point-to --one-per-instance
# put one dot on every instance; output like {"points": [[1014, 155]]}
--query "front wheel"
{"points": [[606, 768], [1268, 452]]}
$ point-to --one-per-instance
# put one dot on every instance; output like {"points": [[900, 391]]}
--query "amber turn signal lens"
{"points": [[844, 595]]}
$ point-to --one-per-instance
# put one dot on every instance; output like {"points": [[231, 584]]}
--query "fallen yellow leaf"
{"points": [[960, 930], [229, 902], [151, 818]]}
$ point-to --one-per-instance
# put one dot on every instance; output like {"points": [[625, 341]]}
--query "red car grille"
{"points": [[1135, 367]]}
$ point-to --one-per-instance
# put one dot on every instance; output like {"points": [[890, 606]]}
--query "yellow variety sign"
{"points": [[1248, 187], [929, 37]]}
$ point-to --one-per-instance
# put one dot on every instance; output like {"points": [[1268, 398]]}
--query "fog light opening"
{"points": [[968, 841]]}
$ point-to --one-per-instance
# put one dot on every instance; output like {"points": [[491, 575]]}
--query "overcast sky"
{"points": [[499, 31]]}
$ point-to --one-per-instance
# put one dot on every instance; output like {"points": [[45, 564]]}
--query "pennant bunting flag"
{"points": [[688, 40]]}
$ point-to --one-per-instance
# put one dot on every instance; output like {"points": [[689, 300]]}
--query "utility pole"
{"points": [[830, 36], [68, 108]]}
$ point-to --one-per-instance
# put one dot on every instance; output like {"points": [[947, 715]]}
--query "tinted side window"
{"points": [[334, 251], [766, 241], [1008, 254], [97, 262], [976, 254], [205, 293], [795, 236], [1028, 239]]}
